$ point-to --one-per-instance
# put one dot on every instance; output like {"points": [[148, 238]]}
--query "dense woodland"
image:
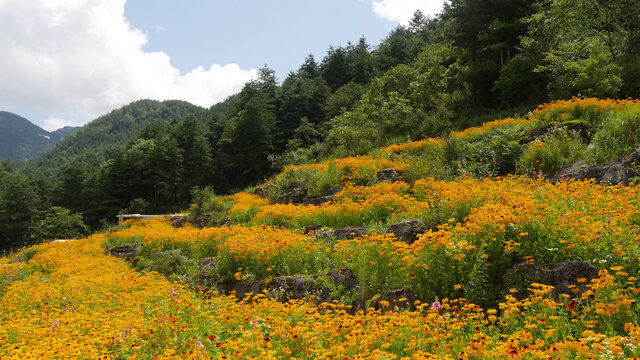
{"points": [[476, 61]]}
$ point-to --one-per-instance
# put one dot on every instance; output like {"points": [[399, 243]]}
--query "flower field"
{"points": [[72, 300]]}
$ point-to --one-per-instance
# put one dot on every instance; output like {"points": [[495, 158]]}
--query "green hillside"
{"points": [[100, 139]]}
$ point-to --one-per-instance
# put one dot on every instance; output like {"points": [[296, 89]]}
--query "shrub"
{"points": [[546, 157], [619, 135], [61, 223]]}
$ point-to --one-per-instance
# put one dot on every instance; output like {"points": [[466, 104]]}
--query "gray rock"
{"points": [[401, 298], [207, 264], [350, 232], [619, 171], [407, 230], [343, 277], [297, 196], [127, 252], [311, 228], [260, 192], [203, 221], [560, 276], [241, 289], [179, 222], [326, 197], [285, 288], [388, 174]]}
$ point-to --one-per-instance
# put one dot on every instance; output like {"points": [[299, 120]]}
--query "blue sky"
{"points": [[66, 62], [251, 33]]}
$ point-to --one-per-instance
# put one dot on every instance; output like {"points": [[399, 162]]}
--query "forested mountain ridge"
{"points": [[98, 140], [21, 139]]}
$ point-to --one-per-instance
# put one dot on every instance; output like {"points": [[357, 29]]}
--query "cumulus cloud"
{"points": [[401, 11], [77, 59]]}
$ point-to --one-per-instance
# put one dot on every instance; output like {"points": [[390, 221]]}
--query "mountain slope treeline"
{"points": [[20, 139], [476, 61]]}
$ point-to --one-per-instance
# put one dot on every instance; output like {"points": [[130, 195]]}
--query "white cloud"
{"points": [[54, 123], [77, 59], [401, 11]]}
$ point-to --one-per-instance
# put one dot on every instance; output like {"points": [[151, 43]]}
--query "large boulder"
{"points": [[619, 171], [178, 222], [285, 288], [343, 277], [407, 230], [326, 197], [396, 299], [562, 276], [388, 174], [350, 232], [203, 221], [241, 289], [296, 196], [206, 265], [127, 252]]}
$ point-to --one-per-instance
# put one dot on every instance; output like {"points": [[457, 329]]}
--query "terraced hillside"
{"points": [[447, 248]]}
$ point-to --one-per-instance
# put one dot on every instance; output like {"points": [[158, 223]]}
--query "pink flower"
{"points": [[200, 288], [198, 343], [436, 305], [173, 293]]}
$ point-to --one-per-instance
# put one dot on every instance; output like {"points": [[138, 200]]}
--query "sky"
{"points": [[66, 62]]}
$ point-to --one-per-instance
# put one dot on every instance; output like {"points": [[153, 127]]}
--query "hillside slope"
{"points": [[315, 263]]}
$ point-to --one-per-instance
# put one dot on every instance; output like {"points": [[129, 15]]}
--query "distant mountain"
{"points": [[98, 140], [21, 139], [63, 132]]}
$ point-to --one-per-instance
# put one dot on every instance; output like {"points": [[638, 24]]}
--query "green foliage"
{"points": [[547, 156], [98, 140], [60, 223], [20, 207], [582, 67], [619, 135], [406, 102], [27, 254], [492, 154], [344, 99], [136, 206], [202, 201]]}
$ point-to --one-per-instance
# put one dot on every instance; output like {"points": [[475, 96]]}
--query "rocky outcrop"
{"points": [[203, 221], [297, 196], [388, 174], [285, 288], [407, 230], [401, 298], [619, 171], [326, 197], [343, 277], [346, 233], [179, 222], [127, 252], [562, 276], [350, 232]]}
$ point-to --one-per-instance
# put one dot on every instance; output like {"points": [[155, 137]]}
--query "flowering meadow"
{"points": [[72, 300]]}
